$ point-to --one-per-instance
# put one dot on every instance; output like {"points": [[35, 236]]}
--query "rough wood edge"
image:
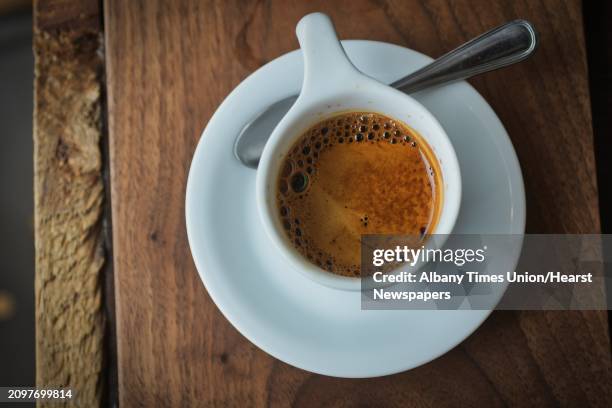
{"points": [[69, 199]]}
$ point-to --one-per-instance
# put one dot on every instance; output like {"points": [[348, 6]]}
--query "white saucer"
{"points": [[292, 318]]}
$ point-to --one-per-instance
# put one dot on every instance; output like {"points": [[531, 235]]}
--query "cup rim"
{"points": [[266, 180]]}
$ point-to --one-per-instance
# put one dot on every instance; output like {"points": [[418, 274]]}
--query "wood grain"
{"points": [[69, 195], [170, 64]]}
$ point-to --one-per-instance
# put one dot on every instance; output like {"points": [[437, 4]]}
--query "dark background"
{"points": [[598, 36], [17, 357]]}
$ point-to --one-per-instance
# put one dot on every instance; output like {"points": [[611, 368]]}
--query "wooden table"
{"points": [[170, 64]]}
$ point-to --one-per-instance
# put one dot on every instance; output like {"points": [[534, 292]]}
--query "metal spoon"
{"points": [[500, 47]]}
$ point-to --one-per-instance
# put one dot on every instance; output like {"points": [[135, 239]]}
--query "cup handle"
{"points": [[326, 65]]}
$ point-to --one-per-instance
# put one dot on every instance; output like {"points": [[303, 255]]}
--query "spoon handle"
{"points": [[500, 47]]}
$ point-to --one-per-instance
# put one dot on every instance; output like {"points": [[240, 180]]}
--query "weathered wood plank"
{"points": [[69, 197]]}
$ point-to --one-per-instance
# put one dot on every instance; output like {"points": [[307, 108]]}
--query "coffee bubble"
{"points": [[299, 182]]}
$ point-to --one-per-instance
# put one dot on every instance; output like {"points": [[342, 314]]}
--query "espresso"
{"points": [[352, 174]]}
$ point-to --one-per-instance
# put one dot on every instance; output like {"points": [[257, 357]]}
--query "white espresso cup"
{"points": [[333, 85]]}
